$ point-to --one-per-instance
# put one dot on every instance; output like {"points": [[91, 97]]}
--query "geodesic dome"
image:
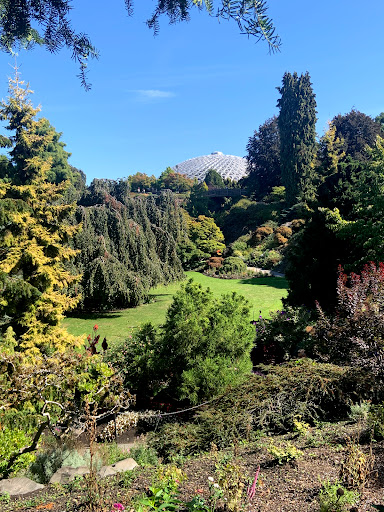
{"points": [[228, 166]]}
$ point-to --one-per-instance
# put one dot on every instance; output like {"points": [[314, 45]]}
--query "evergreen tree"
{"points": [[297, 123], [358, 132], [206, 342], [127, 244], [34, 233], [213, 179], [263, 155]]}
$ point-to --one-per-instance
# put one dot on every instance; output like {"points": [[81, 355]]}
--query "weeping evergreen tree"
{"points": [[34, 234], [297, 128], [127, 244]]}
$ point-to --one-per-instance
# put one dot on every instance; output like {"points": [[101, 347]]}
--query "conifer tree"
{"points": [[297, 120], [34, 233]]}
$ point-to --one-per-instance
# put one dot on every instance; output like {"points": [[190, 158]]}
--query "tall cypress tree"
{"points": [[297, 122]]}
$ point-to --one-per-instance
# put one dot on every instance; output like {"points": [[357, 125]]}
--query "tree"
{"points": [[127, 244], [206, 342], [213, 179], [34, 235], [365, 228], [47, 22], [358, 132], [141, 181], [206, 235], [263, 155], [297, 128], [52, 394], [175, 181], [198, 200]]}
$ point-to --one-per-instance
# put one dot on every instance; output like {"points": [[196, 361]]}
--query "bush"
{"points": [[354, 335], [176, 439], [280, 239], [49, 461], [12, 440], [281, 393], [271, 259], [215, 262], [239, 245], [283, 335], [376, 421], [135, 360], [261, 233], [144, 455], [205, 343], [335, 498], [233, 265], [285, 231]]}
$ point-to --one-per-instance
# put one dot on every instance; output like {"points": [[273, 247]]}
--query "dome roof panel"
{"points": [[228, 166]]}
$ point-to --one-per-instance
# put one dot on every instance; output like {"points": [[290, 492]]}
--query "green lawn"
{"points": [[264, 294]]}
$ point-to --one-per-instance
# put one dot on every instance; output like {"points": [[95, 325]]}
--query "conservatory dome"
{"points": [[228, 166]]}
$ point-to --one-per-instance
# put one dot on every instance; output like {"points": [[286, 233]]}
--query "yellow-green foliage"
{"points": [[231, 482], [284, 451], [301, 426], [12, 440], [34, 245]]}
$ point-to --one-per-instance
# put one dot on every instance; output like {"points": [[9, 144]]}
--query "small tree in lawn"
{"points": [[34, 235], [206, 342]]}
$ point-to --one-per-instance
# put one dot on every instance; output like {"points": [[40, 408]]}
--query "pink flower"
{"points": [[252, 490], [118, 506]]}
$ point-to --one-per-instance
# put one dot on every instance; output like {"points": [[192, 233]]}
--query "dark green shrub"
{"points": [[269, 401], [181, 439], [283, 335], [135, 359], [233, 265], [205, 343], [281, 393], [144, 455], [376, 421]]}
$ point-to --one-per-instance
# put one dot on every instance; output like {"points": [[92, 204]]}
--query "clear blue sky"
{"points": [[199, 86]]}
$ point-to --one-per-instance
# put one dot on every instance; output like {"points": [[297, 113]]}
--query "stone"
{"points": [[118, 467], [125, 465], [19, 485], [67, 474], [106, 471]]}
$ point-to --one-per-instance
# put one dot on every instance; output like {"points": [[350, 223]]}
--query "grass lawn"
{"points": [[264, 294]]}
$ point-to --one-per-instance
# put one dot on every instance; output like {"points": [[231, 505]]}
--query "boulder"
{"points": [[106, 471], [118, 467], [67, 474], [19, 485], [124, 465]]}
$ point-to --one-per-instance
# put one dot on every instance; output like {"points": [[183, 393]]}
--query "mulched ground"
{"points": [[289, 487]]}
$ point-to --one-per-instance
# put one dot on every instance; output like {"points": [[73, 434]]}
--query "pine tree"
{"points": [[34, 233], [297, 120]]}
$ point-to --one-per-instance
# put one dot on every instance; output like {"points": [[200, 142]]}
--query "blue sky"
{"points": [[200, 86]]}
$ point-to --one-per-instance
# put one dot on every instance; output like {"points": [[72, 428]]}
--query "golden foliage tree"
{"points": [[35, 229]]}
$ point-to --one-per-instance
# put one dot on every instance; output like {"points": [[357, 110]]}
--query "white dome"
{"points": [[228, 166]]}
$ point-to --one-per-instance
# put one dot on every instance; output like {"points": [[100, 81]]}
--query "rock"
{"points": [[19, 485], [106, 471], [125, 465], [67, 474], [118, 467]]}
